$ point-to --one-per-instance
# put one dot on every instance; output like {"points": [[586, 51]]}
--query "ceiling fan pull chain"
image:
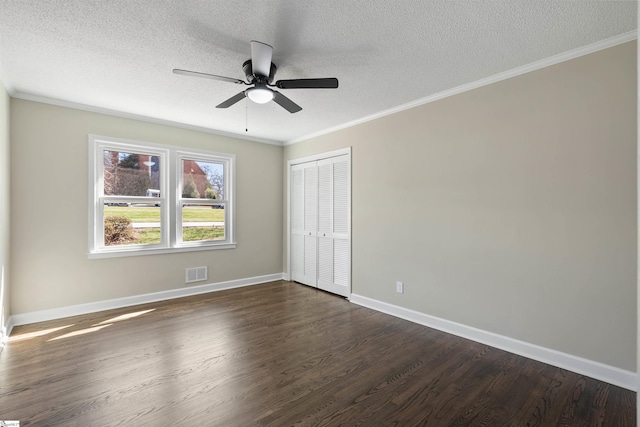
{"points": [[246, 116]]}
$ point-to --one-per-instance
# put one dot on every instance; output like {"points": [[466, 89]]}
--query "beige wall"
{"points": [[4, 208], [510, 208], [49, 166]]}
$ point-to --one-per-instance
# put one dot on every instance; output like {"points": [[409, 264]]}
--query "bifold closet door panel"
{"points": [[325, 225], [304, 206], [340, 205]]}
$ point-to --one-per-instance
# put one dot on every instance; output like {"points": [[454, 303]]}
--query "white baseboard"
{"points": [[75, 310], [597, 370], [590, 368]]}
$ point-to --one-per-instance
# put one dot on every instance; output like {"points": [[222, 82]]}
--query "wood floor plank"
{"points": [[282, 354]]}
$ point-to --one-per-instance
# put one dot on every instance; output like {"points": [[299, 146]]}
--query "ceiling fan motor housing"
{"points": [[253, 78]]}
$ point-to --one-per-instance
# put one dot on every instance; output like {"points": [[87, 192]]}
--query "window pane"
{"points": [[202, 222], [137, 224], [202, 179], [131, 174]]}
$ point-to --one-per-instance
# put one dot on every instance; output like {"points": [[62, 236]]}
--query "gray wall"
{"points": [[510, 208], [4, 208], [49, 204]]}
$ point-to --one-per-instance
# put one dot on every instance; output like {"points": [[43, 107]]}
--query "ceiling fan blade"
{"points": [[286, 103], [208, 76], [229, 102], [261, 54], [328, 83]]}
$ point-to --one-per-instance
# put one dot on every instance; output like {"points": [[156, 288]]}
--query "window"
{"points": [[202, 199], [147, 198]]}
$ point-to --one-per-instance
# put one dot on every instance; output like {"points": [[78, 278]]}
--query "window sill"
{"points": [[158, 251]]}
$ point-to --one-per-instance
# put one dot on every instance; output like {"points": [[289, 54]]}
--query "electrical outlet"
{"points": [[400, 287]]}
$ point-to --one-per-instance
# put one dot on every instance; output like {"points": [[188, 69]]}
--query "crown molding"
{"points": [[139, 117], [537, 65]]}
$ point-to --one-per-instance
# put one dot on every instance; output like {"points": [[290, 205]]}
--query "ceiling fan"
{"points": [[260, 72]]}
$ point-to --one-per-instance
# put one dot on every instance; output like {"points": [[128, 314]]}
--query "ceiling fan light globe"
{"points": [[260, 95]]}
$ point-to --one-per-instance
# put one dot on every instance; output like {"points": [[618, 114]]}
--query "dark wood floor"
{"points": [[282, 354]]}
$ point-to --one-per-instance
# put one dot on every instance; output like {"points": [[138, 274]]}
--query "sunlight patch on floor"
{"points": [[124, 317], [93, 328], [29, 335], [79, 332]]}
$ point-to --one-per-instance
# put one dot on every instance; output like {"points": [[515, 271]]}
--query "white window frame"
{"points": [[207, 157], [170, 203]]}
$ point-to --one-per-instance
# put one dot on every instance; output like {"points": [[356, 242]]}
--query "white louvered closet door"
{"points": [[325, 226], [304, 217], [320, 224], [341, 184]]}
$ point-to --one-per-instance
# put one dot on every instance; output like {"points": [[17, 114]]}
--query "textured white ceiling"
{"points": [[118, 55]]}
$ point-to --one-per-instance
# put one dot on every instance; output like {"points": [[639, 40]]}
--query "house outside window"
{"points": [[148, 198]]}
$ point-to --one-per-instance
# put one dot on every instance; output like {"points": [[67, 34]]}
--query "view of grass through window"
{"points": [[140, 224]]}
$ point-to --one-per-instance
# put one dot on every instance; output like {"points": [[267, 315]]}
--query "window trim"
{"points": [[170, 204]]}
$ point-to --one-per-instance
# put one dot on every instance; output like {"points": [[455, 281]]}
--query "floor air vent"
{"points": [[196, 274]]}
